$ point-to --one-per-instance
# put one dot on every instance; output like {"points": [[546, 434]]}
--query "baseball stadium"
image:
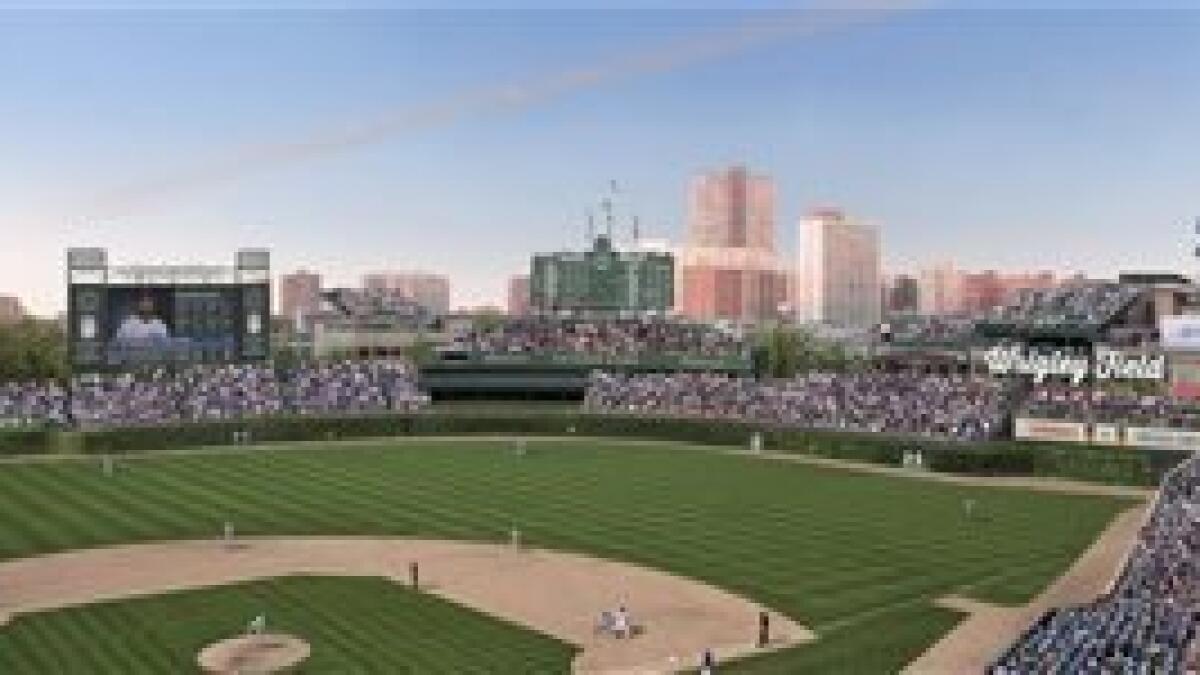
{"points": [[594, 494]]}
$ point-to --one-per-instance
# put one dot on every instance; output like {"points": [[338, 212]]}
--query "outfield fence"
{"points": [[1094, 463]]}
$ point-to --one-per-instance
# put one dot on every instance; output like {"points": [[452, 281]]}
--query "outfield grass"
{"points": [[354, 625], [834, 550]]}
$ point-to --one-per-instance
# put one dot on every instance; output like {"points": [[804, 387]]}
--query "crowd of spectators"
{"points": [[1081, 305], [1105, 406], [355, 387], [23, 404], [610, 338], [223, 392], [941, 406], [1149, 619]]}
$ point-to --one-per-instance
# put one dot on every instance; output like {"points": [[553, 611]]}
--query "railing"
{"points": [[594, 360]]}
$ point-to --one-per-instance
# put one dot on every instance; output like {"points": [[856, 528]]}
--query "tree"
{"points": [[32, 349], [487, 319], [420, 352], [785, 351], [285, 354]]}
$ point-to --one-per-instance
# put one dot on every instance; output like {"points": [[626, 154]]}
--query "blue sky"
{"points": [[1008, 139]]}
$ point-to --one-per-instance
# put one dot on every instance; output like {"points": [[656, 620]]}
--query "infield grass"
{"points": [[353, 625]]}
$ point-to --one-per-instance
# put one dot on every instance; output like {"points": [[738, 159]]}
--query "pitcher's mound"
{"points": [[267, 653]]}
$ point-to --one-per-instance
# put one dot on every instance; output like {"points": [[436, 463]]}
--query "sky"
{"points": [[461, 141]]}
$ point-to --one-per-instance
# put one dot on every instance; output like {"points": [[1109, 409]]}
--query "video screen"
{"points": [[171, 324]]}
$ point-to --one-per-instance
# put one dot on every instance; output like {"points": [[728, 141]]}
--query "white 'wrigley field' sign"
{"points": [[1109, 364]]}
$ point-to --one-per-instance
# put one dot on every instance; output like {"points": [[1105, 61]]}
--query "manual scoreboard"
{"points": [[602, 280]]}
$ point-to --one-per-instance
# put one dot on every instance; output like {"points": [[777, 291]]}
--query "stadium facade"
{"points": [[432, 291]]}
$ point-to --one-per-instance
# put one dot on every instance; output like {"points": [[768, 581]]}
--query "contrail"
{"points": [[761, 30]]}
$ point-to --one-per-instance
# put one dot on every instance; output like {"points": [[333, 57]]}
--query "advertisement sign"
{"points": [[1180, 332], [1106, 434], [1185, 375], [1050, 430], [1172, 439]]}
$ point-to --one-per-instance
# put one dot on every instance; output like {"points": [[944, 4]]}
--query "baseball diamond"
{"points": [[862, 560]]}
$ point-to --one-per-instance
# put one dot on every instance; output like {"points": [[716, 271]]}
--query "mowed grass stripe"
{"points": [[339, 633], [354, 625], [41, 651], [353, 499], [412, 507], [884, 642], [350, 491], [89, 504], [256, 503], [199, 508], [55, 523], [124, 642]]}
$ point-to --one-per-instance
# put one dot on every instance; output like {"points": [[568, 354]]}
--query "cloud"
{"points": [[761, 30]]}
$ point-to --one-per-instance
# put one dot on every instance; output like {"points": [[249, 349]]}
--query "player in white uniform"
{"points": [[144, 324]]}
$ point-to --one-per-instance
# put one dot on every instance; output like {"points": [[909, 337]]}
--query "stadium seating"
{"points": [[1147, 621], [1082, 306], [627, 338], [932, 330], [204, 393], [1098, 405], [951, 407], [32, 403]]}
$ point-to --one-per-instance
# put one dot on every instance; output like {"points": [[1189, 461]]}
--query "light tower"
{"points": [[1196, 238]]}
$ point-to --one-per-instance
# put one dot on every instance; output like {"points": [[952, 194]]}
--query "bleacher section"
{"points": [[962, 408], [1071, 311], [213, 393], [553, 357], [608, 340], [952, 332], [1084, 404], [1148, 622]]}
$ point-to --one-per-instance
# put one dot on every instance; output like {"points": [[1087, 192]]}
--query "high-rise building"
{"points": [[982, 291], [947, 290], [839, 269], [299, 296], [518, 295], [1012, 284], [940, 289], [11, 310], [430, 290], [903, 295], [728, 269], [732, 208]]}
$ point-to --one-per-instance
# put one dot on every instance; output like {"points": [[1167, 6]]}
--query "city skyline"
{"points": [[1021, 140]]}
